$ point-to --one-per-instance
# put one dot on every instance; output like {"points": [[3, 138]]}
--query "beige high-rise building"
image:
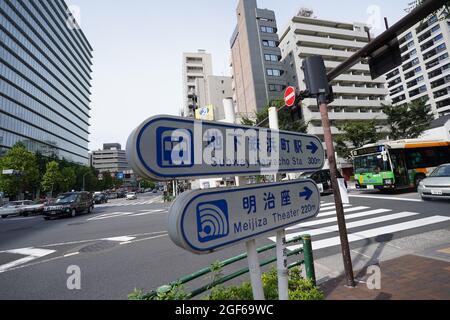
{"points": [[197, 65], [258, 75], [357, 96]]}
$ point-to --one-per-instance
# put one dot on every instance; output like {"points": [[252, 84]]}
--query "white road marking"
{"points": [[330, 208], [371, 233], [356, 224], [333, 212], [384, 198], [144, 239], [334, 219], [31, 253], [120, 239], [71, 254], [149, 212]]}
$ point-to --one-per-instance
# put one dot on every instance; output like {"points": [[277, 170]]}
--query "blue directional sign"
{"points": [[166, 147], [120, 175], [207, 221]]}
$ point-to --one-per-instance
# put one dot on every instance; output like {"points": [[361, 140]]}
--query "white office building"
{"points": [[425, 72], [197, 65], [357, 96]]}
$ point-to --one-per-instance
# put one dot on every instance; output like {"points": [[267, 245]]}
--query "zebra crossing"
{"points": [[126, 203], [362, 223]]}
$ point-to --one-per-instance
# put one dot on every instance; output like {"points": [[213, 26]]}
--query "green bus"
{"points": [[397, 165]]}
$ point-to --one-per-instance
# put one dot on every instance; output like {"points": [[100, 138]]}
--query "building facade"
{"points": [[111, 158], [425, 72], [211, 91], [258, 74], [357, 96], [45, 79], [196, 65]]}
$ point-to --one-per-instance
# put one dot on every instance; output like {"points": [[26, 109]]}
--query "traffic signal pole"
{"points": [[347, 259]]}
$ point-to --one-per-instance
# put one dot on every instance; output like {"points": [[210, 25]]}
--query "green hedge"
{"points": [[299, 289]]}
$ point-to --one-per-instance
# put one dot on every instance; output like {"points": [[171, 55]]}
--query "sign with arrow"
{"points": [[207, 221], [167, 147]]}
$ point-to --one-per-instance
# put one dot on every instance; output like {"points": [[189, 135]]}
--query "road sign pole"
{"points": [[337, 194], [283, 276], [252, 254]]}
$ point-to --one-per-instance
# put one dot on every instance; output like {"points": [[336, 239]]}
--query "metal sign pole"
{"points": [[283, 276], [252, 254], [337, 194]]}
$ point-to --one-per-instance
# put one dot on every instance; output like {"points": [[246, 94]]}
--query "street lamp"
{"points": [[84, 180]]}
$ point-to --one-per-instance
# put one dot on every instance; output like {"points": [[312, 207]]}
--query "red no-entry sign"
{"points": [[289, 96]]}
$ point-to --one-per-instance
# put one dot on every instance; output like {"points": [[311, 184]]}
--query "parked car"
{"points": [[131, 196], [121, 194], [321, 177], [14, 208], [69, 204], [35, 208], [112, 195], [437, 185], [100, 198], [155, 191]]}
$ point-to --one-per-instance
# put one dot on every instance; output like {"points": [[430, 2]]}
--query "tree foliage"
{"points": [[408, 121], [284, 118], [52, 178], [20, 159], [356, 135]]}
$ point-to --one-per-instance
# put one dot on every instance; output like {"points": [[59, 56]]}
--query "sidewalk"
{"points": [[411, 277]]}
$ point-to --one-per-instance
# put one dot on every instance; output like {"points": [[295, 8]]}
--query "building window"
{"points": [[270, 43], [276, 87], [274, 72], [268, 29], [271, 57]]}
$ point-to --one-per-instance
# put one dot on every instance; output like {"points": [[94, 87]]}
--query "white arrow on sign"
{"points": [[207, 221]]}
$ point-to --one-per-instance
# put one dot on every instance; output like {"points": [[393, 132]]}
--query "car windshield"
{"points": [[371, 164], [443, 171], [66, 198]]}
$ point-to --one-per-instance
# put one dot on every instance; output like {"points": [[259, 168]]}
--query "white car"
{"points": [[131, 196], [14, 208]]}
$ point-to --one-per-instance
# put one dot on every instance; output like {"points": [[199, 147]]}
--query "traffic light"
{"points": [[316, 79]]}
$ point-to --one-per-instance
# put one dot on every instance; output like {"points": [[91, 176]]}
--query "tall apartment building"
{"points": [[211, 91], [425, 72], [111, 158], [258, 74], [357, 96], [196, 65], [45, 79]]}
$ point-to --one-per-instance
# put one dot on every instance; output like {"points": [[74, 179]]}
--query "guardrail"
{"points": [[307, 260]]}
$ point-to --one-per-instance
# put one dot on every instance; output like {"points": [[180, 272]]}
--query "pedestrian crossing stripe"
{"points": [[314, 228], [352, 225], [371, 233], [334, 219]]}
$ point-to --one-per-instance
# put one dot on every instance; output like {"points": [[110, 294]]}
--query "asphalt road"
{"points": [[124, 245]]}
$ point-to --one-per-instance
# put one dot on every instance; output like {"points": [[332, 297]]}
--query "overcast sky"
{"points": [[138, 46]]}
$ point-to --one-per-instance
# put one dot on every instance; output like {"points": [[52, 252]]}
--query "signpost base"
{"points": [[283, 273], [255, 271]]}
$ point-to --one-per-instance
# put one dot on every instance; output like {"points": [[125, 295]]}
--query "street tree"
{"points": [[68, 179], [356, 135], [18, 158], [408, 121], [51, 181], [284, 119]]}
